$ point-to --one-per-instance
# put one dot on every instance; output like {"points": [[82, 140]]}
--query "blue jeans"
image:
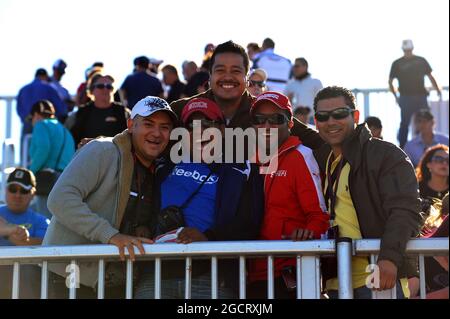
{"points": [[365, 293], [409, 104]]}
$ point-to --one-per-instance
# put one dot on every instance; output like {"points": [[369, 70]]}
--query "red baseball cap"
{"points": [[205, 106], [280, 100]]}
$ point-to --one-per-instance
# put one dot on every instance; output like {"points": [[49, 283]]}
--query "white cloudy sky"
{"points": [[347, 42]]}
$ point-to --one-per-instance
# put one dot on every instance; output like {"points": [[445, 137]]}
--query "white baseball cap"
{"points": [[407, 45], [150, 105]]}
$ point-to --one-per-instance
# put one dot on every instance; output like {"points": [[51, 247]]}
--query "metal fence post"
{"points": [[344, 267]]}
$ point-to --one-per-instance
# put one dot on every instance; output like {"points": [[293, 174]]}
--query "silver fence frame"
{"points": [[306, 253]]}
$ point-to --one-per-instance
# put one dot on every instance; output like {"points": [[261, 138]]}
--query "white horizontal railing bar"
{"points": [[203, 249], [426, 246]]}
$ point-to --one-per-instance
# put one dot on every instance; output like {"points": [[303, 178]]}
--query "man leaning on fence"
{"points": [[96, 199], [370, 189], [20, 226]]}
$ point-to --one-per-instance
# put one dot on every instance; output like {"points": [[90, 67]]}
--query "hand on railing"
{"points": [[189, 235], [300, 234], [124, 241], [388, 274]]}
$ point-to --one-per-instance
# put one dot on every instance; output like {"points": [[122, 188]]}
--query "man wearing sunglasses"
{"points": [[20, 189], [370, 189], [21, 226], [219, 202], [294, 205], [229, 69], [102, 116]]}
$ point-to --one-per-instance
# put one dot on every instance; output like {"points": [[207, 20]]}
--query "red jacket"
{"points": [[293, 199]]}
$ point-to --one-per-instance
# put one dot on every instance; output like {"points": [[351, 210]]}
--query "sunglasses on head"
{"points": [[260, 84], [205, 123], [102, 86], [14, 189], [337, 114], [274, 119], [439, 159]]}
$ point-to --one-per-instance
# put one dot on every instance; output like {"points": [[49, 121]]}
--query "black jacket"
{"points": [[384, 191]]}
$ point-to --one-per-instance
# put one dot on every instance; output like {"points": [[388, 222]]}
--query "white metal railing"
{"points": [[7, 164], [307, 254]]}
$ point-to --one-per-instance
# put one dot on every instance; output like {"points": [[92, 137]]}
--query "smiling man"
{"points": [[218, 201], [107, 188], [229, 70], [370, 189]]}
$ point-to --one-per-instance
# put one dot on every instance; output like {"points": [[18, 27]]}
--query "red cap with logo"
{"points": [[280, 100], [205, 106]]}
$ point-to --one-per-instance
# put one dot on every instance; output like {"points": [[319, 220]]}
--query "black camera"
{"points": [[168, 219]]}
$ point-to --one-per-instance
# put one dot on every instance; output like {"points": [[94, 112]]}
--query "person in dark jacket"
{"points": [[373, 194], [229, 69], [218, 201], [102, 116]]}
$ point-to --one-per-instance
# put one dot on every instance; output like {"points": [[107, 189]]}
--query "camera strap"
{"points": [[332, 187], [188, 200]]}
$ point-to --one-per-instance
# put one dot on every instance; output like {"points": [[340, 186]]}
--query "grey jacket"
{"points": [[89, 200]]}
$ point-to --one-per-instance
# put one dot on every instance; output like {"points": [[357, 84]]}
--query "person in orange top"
{"points": [[294, 204]]}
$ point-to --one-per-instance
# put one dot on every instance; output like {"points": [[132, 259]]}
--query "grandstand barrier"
{"points": [[306, 253]]}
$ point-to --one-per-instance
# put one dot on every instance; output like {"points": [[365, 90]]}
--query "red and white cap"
{"points": [[205, 106], [280, 100]]}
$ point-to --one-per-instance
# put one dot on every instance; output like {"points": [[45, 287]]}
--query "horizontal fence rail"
{"points": [[306, 253]]}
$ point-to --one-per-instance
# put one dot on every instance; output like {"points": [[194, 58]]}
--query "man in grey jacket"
{"points": [[105, 187]]}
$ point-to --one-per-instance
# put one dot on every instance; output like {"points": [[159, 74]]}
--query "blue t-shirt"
{"points": [[34, 222], [139, 85], [182, 183]]}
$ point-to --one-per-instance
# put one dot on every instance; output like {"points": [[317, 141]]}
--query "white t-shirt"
{"points": [[278, 68], [303, 91]]}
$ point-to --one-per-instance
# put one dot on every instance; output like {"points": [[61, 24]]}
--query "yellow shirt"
{"points": [[348, 223], [347, 220]]}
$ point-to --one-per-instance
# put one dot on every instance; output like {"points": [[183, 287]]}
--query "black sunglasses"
{"points": [[203, 123], [439, 159], [260, 84], [13, 189], [337, 114], [274, 119], [102, 86]]}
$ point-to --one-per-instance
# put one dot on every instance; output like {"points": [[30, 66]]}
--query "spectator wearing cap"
{"points": [[278, 68], [104, 187], [51, 146], [375, 126], [411, 94], [31, 93], [102, 116], [302, 88], [153, 66], [140, 83], [294, 204], [219, 202], [59, 69], [170, 78], [426, 138], [20, 190], [229, 70], [257, 82], [24, 227], [370, 190]]}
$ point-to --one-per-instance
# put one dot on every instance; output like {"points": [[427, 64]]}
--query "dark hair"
{"points": [[373, 121], [422, 172], [302, 110], [302, 61], [335, 91], [254, 46], [141, 61], [230, 47], [268, 43], [424, 114], [40, 72], [170, 68]]}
